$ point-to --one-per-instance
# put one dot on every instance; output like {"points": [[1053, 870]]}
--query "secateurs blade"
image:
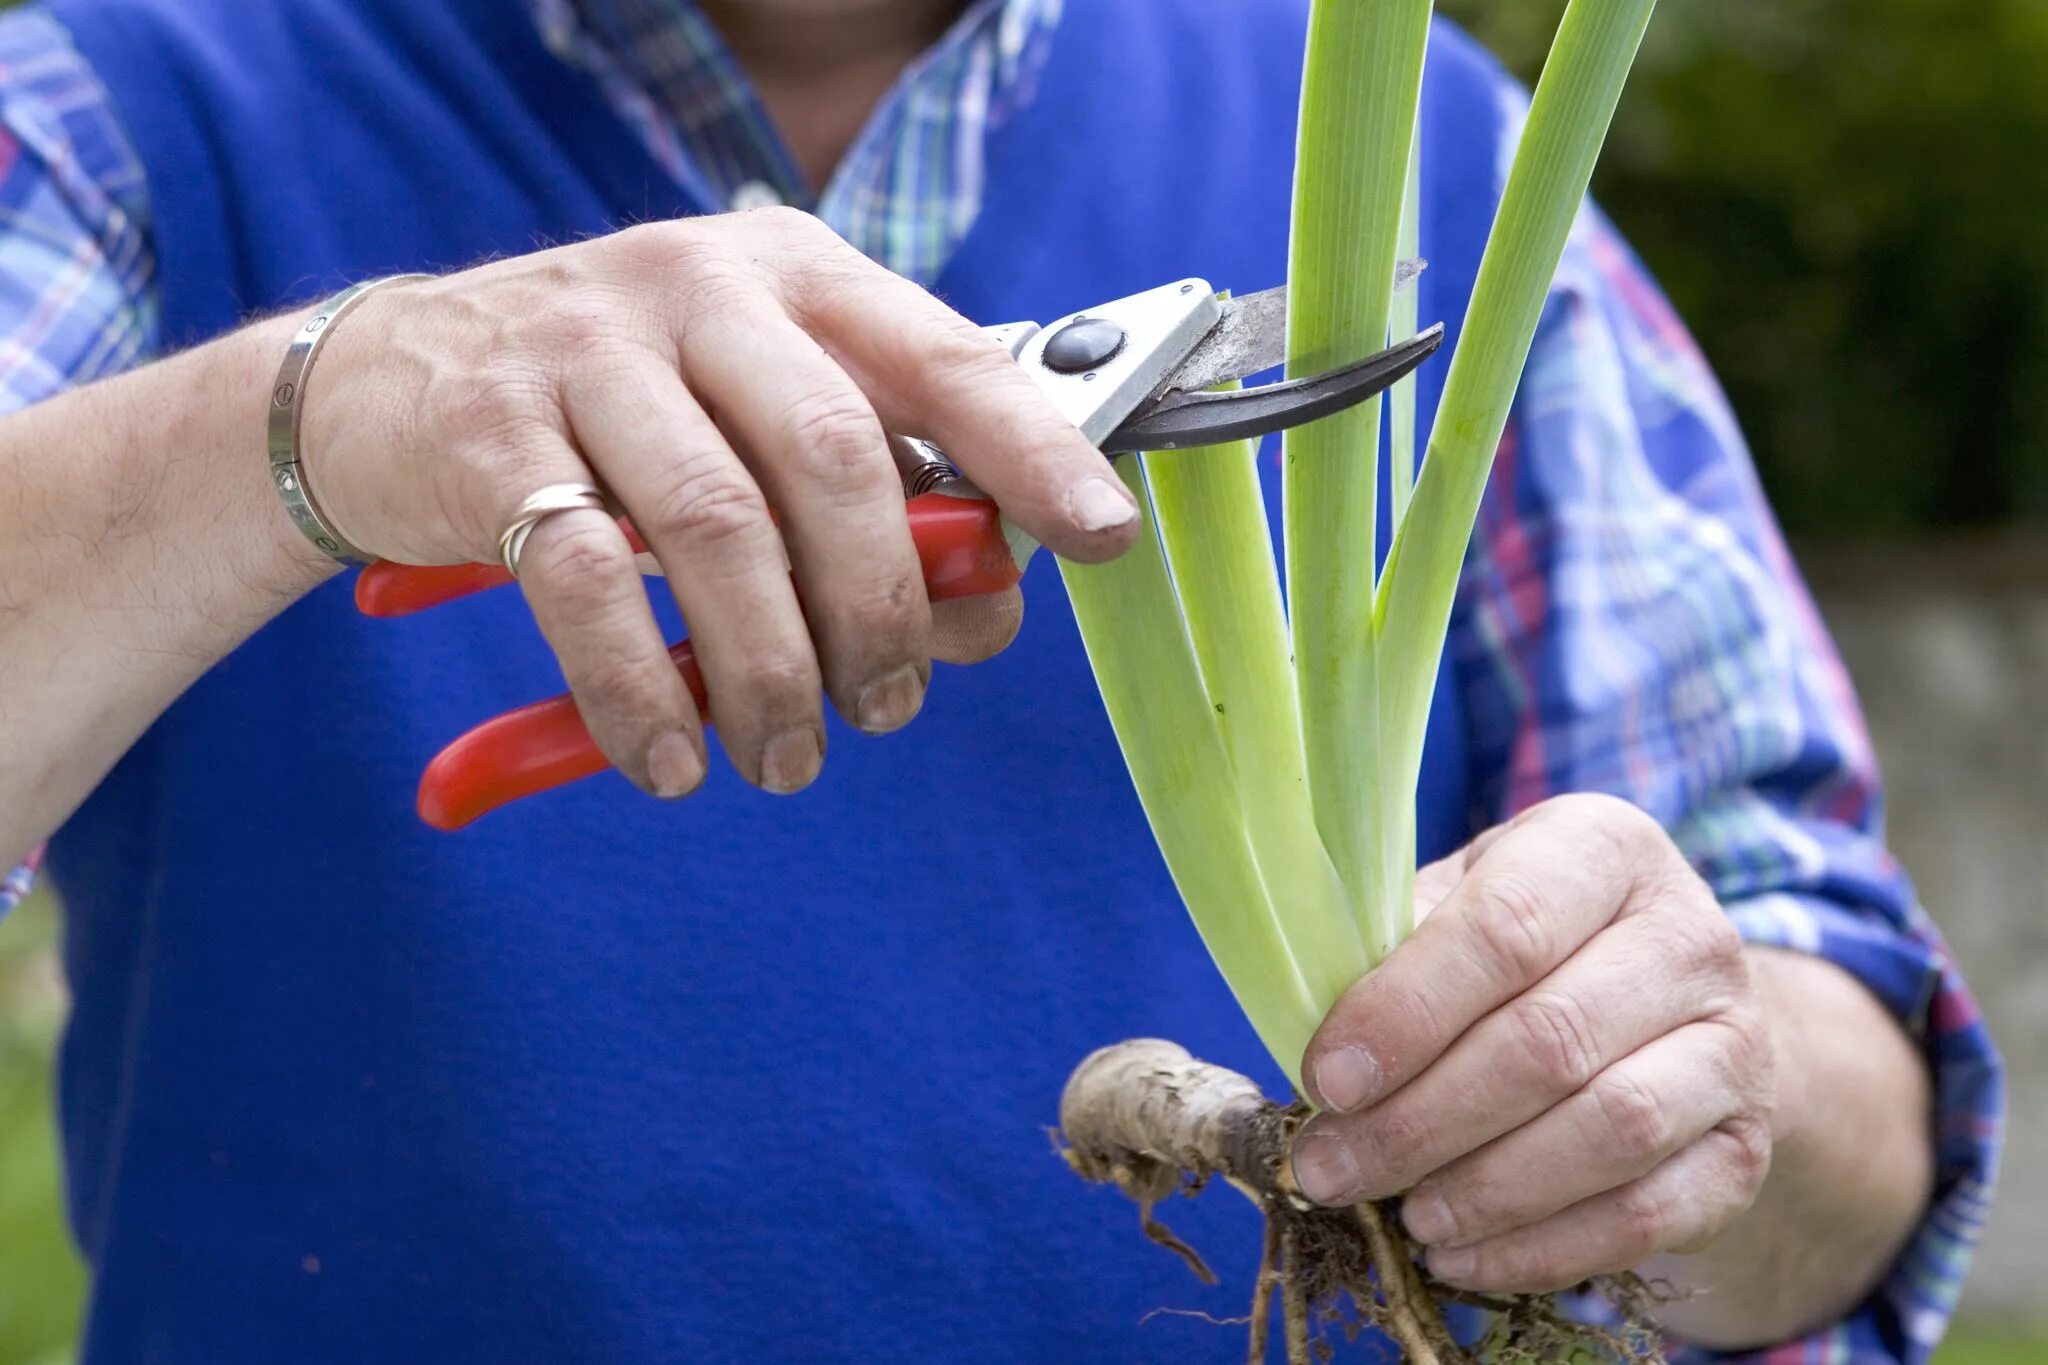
{"points": [[1134, 375]]}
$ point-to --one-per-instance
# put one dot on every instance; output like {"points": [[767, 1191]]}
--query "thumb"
{"points": [[969, 630]]}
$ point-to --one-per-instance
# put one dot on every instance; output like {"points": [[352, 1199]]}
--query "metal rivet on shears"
{"points": [[1083, 344]]}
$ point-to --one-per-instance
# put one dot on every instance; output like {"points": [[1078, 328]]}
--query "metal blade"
{"points": [[1202, 419], [1252, 337]]}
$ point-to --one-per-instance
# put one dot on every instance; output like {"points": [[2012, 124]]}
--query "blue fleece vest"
{"points": [[601, 1079]]}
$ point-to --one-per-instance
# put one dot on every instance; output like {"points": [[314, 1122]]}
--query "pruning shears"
{"points": [[1134, 375]]}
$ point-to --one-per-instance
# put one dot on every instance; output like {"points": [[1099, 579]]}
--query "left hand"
{"points": [[1566, 1067]]}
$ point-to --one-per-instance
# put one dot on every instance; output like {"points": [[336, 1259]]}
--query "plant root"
{"points": [[1154, 1122]]}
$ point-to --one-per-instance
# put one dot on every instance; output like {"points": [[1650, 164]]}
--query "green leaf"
{"points": [[1361, 83]]}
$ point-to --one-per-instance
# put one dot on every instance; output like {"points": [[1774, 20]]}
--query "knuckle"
{"points": [[709, 502], [1512, 927], [810, 263], [964, 359], [1415, 1010], [1750, 1055], [781, 682], [1703, 939], [1526, 1264], [1535, 1270], [838, 438], [1641, 1220], [1557, 1037], [662, 248], [712, 286], [885, 621], [1636, 1122], [578, 558], [1469, 1209], [695, 269], [1628, 824], [1629, 834], [613, 683], [784, 220], [1403, 1141], [1747, 1141]]}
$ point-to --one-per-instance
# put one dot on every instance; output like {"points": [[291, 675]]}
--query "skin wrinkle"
{"points": [[1784, 1064], [1852, 1163]]}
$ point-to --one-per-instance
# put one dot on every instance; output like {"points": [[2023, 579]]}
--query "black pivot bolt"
{"points": [[1083, 344]]}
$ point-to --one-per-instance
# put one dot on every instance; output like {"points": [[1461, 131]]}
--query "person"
{"points": [[605, 1078]]}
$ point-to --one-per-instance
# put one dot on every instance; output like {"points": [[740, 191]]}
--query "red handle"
{"points": [[523, 753], [387, 589], [960, 543]]}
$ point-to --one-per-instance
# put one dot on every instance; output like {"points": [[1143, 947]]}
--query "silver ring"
{"points": [[556, 497]]}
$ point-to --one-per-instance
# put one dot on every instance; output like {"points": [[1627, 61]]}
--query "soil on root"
{"points": [[1149, 1119]]}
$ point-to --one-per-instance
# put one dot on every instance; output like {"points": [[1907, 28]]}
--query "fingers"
{"points": [[819, 453], [1682, 1203], [1566, 1067], [1524, 905], [704, 374], [704, 518], [1542, 1047], [1619, 1127], [931, 372], [580, 582]]}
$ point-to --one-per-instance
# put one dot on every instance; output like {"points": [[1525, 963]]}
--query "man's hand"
{"points": [[1566, 1068], [703, 372]]}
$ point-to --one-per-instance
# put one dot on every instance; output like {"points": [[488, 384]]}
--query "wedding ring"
{"points": [[556, 497]]}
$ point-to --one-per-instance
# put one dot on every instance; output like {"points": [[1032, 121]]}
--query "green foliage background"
{"points": [[41, 1282], [1848, 201]]}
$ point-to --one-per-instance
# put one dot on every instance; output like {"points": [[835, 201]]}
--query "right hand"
{"points": [[702, 371]]}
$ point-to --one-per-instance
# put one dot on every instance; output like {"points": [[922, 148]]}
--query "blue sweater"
{"points": [[601, 1079]]}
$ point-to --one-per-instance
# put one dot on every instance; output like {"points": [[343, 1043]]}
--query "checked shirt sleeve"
{"points": [[77, 299], [1629, 622]]}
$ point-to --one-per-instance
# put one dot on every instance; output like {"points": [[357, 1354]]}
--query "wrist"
{"points": [[154, 547], [1783, 981], [1851, 1166], [280, 557], [194, 445], [287, 429]]}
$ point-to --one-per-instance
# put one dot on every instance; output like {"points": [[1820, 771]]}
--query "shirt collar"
{"points": [[910, 186], [672, 53]]}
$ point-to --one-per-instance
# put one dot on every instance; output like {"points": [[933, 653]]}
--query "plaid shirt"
{"points": [[1628, 622]]}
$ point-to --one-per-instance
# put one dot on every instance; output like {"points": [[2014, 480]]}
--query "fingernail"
{"points": [[1428, 1217], [1098, 505], [791, 760], [1325, 1169], [1347, 1078], [673, 765], [1453, 1263], [889, 704]]}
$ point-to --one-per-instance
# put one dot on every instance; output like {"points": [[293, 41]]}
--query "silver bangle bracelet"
{"points": [[286, 399]]}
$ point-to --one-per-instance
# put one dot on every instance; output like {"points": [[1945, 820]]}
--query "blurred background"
{"points": [[1849, 203]]}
